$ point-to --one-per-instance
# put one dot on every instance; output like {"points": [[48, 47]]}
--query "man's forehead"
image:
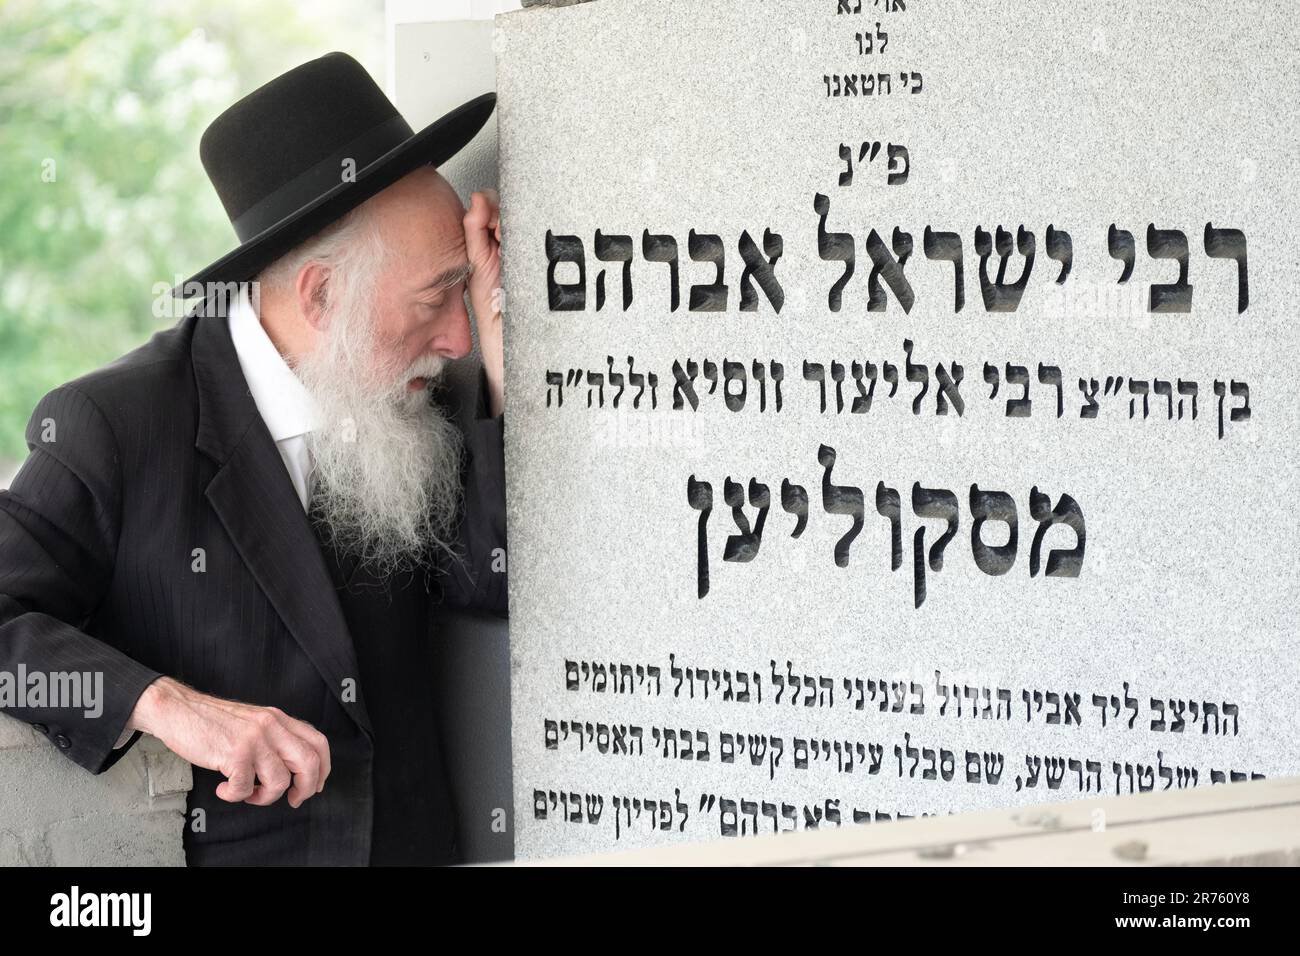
{"points": [[423, 216], [447, 259]]}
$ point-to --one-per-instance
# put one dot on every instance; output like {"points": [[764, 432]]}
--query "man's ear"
{"points": [[312, 290]]}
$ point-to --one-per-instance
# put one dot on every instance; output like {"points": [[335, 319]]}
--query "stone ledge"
{"points": [[146, 839], [1254, 823], [18, 734], [53, 812], [167, 773], [553, 3]]}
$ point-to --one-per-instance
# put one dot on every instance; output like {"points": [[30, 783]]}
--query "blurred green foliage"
{"points": [[102, 196]]}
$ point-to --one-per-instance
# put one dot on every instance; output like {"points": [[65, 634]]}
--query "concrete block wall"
{"points": [[54, 813]]}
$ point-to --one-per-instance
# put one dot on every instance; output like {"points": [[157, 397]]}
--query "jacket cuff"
{"points": [[93, 742]]}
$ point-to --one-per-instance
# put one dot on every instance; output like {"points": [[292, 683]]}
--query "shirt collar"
{"points": [[283, 401]]}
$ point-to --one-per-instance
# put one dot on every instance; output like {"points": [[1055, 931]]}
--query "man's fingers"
{"points": [[494, 220], [494, 207], [273, 778], [476, 229], [301, 756], [301, 760], [238, 786], [487, 200], [317, 741], [482, 219], [479, 212]]}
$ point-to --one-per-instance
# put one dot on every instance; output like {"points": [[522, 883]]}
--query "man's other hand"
{"points": [[256, 748], [483, 246]]}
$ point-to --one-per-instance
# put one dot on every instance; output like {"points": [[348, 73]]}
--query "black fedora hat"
{"points": [[300, 152]]}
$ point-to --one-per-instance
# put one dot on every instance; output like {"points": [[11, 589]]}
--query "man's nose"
{"points": [[456, 342]]}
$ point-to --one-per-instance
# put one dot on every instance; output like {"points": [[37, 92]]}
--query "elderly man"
{"points": [[245, 524]]}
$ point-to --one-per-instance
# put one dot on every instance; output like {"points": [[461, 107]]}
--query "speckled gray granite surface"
{"points": [[814, 683]]}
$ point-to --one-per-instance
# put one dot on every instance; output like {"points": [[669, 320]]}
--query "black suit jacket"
{"points": [[133, 469]]}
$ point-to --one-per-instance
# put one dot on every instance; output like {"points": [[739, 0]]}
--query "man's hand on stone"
{"points": [[256, 748], [483, 246]]}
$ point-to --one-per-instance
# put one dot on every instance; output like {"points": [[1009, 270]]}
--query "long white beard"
{"points": [[386, 459]]}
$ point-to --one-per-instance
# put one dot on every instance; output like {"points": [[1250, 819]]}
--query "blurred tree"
{"points": [[102, 196]]}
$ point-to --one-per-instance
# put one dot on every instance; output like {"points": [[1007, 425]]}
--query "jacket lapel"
{"points": [[254, 497]]}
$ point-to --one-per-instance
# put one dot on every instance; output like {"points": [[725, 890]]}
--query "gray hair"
{"points": [[352, 248]]}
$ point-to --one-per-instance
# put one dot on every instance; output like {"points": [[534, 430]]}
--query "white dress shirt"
{"points": [[283, 401]]}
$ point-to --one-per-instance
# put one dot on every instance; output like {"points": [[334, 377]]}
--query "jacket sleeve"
{"points": [[476, 578], [58, 539]]}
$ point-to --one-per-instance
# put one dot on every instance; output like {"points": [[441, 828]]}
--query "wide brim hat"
{"points": [[302, 151]]}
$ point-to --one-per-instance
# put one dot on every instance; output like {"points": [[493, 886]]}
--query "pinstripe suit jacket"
{"points": [[132, 470]]}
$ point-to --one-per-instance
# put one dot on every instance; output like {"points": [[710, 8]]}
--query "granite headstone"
{"points": [[903, 408]]}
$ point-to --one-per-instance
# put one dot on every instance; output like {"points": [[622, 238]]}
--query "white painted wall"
{"points": [[402, 12]]}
